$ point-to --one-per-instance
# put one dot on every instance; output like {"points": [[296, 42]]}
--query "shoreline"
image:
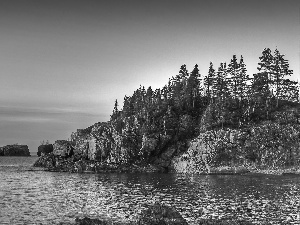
{"points": [[52, 164]]}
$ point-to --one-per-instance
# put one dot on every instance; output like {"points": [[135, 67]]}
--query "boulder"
{"points": [[46, 161], [45, 149], [89, 221], [158, 214]]}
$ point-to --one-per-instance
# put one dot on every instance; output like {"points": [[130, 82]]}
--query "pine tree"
{"points": [[192, 89], [232, 70], [279, 70], [263, 80], [209, 81], [220, 89], [242, 79], [115, 113], [183, 73], [265, 66]]}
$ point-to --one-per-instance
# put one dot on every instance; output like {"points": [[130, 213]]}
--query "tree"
{"points": [[192, 88], [242, 79], [276, 69], [220, 88], [115, 113], [261, 92], [265, 66], [232, 70], [209, 80], [279, 70]]}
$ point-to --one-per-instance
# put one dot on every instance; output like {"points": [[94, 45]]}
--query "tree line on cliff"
{"points": [[192, 103]]}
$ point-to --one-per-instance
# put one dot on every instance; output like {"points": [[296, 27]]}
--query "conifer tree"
{"points": [[265, 66], [263, 80], [209, 80], [220, 88], [149, 96], [193, 88], [280, 69], [242, 79], [232, 70], [115, 113]]}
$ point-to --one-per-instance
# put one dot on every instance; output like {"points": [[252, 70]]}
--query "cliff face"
{"points": [[14, 150], [62, 148], [269, 145]]}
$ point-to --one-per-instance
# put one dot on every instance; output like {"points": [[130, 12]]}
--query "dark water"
{"points": [[39, 197]]}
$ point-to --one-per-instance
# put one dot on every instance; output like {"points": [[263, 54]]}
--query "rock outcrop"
{"points": [[224, 151], [63, 148], [47, 161], [14, 150], [56, 163], [45, 149], [232, 151]]}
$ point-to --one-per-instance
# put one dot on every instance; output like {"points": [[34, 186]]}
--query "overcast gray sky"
{"points": [[64, 62]]}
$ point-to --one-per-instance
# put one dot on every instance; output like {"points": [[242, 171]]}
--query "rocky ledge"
{"points": [[56, 164], [53, 163]]}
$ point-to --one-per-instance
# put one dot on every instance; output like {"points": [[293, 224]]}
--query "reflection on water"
{"points": [[38, 197]]}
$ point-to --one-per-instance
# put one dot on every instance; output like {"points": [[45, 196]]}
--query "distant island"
{"points": [[14, 150], [222, 122]]}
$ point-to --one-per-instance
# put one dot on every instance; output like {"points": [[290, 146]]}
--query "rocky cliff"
{"points": [[14, 150], [269, 145]]}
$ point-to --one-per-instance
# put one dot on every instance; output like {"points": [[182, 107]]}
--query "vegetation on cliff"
{"points": [[246, 119], [191, 104]]}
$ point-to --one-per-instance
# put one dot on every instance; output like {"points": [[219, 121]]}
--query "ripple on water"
{"points": [[38, 197]]}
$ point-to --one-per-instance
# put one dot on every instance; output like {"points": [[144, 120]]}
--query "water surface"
{"points": [[40, 197]]}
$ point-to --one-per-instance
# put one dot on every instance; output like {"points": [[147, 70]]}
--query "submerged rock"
{"points": [[158, 214], [88, 221]]}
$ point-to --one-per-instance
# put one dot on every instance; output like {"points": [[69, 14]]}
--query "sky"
{"points": [[64, 62]]}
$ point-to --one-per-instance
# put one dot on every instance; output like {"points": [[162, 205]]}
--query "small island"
{"points": [[224, 122], [14, 150]]}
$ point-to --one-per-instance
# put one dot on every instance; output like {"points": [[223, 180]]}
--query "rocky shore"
{"points": [[55, 164], [126, 144]]}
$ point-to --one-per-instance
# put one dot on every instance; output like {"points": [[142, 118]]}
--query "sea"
{"points": [[32, 196]]}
